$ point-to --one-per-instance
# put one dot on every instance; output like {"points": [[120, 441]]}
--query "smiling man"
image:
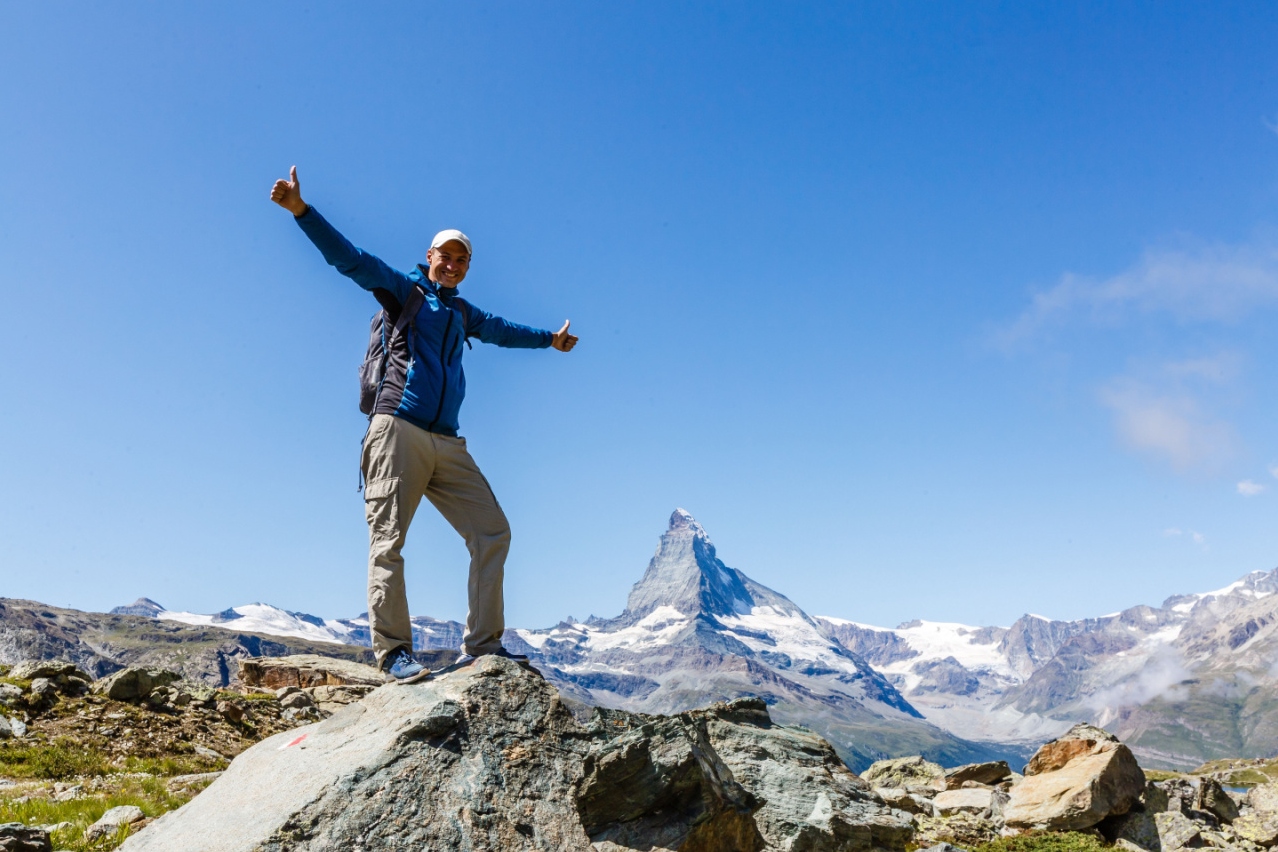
{"points": [[412, 449]]}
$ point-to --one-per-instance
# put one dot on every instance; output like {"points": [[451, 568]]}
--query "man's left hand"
{"points": [[562, 340]]}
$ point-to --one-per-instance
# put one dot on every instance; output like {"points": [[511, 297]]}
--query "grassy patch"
{"points": [[54, 761], [1046, 841], [1162, 774], [150, 794]]}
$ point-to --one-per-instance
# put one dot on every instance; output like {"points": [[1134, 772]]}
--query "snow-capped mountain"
{"points": [[696, 631], [428, 633], [1188, 681]]}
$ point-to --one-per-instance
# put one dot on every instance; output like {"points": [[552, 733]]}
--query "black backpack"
{"points": [[389, 323]]}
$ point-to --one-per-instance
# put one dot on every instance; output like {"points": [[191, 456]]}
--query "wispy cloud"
{"points": [[1193, 535], [1248, 488], [1209, 283], [1273, 471], [1168, 425]]}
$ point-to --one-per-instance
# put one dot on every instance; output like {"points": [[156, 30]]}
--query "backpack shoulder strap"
{"points": [[408, 313]]}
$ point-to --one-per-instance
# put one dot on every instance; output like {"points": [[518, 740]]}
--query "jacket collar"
{"points": [[421, 275]]}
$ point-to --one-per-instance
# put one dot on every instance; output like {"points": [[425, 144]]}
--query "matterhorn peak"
{"points": [[686, 575]]}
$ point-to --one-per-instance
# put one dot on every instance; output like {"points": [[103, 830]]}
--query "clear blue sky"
{"points": [[952, 311]]}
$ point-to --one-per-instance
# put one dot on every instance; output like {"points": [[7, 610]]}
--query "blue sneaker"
{"points": [[467, 659], [401, 666]]}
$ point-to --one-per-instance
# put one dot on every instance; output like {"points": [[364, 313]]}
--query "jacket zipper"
{"points": [[443, 390]]}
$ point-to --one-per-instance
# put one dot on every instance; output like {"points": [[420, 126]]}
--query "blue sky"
{"points": [[952, 311]]}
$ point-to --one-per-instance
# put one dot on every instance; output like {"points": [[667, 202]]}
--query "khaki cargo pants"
{"points": [[401, 464]]}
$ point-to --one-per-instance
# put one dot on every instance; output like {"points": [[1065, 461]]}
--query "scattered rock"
{"points": [[903, 800], [488, 757], [303, 670], [17, 726], [985, 802], [1177, 831], [72, 792], [1259, 828], [1215, 800], [209, 753], [1075, 782], [905, 772], [48, 669], [230, 712], [16, 837], [6, 729], [285, 691], [943, 847], [965, 830], [113, 820], [42, 687], [134, 683], [981, 773], [297, 699], [330, 699], [10, 695]]}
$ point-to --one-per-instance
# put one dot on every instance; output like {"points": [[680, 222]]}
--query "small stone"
{"points": [[69, 793], [230, 712], [297, 699], [112, 820], [208, 753], [905, 771], [285, 691], [42, 686], [984, 802], [10, 695], [6, 728], [904, 800]]}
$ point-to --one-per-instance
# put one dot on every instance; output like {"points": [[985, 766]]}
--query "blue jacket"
{"points": [[429, 392]]}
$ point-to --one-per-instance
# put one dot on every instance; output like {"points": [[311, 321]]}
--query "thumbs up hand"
{"points": [[288, 193], [562, 340]]}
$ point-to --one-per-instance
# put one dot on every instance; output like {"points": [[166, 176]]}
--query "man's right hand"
{"points": [[288, 193]]}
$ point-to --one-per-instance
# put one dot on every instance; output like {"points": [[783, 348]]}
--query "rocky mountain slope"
{"points": [[1181, 683], [103, 643]]}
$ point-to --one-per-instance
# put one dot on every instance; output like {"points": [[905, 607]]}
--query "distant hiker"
{"points": [[412, 448]]}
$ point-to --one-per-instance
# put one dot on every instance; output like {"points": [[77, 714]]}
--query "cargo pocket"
{"points": [[381, 507]]}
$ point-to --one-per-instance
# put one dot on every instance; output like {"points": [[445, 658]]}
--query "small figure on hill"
{"points": [[412, 449]]}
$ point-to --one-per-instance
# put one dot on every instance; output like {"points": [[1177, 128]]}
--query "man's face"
{"points": [[448, 263]]}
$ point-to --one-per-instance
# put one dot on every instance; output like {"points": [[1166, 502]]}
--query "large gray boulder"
{"points": [[1076, 781], [488, 758], [134, 683]]}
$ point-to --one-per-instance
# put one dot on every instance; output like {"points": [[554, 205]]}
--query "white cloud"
{"points": [[1168, 426], [1205, 283], [1273, 471], [1194, 536], [1247, 488]]}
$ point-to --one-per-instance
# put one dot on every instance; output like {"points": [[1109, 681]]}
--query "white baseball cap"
{"points": [[451, 234]]}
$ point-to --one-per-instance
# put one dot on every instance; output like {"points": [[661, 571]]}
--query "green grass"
{"points": [[53, 761], [150, 794], [61, 760], [1046, 841]]}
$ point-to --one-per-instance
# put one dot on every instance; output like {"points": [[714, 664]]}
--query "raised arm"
{"points": [[366, 270], [512, 335]]}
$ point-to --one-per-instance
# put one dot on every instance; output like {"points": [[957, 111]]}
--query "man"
{"points": [[412, 448]]}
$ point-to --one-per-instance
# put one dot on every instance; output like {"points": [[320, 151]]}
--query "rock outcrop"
{"points": [[1076, 781], [488, 758]]}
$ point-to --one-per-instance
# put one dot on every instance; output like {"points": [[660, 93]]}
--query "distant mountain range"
{"points": [[1192, 680]]}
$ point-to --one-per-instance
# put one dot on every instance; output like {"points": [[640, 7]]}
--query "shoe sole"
{"points": [[417, 678]]}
